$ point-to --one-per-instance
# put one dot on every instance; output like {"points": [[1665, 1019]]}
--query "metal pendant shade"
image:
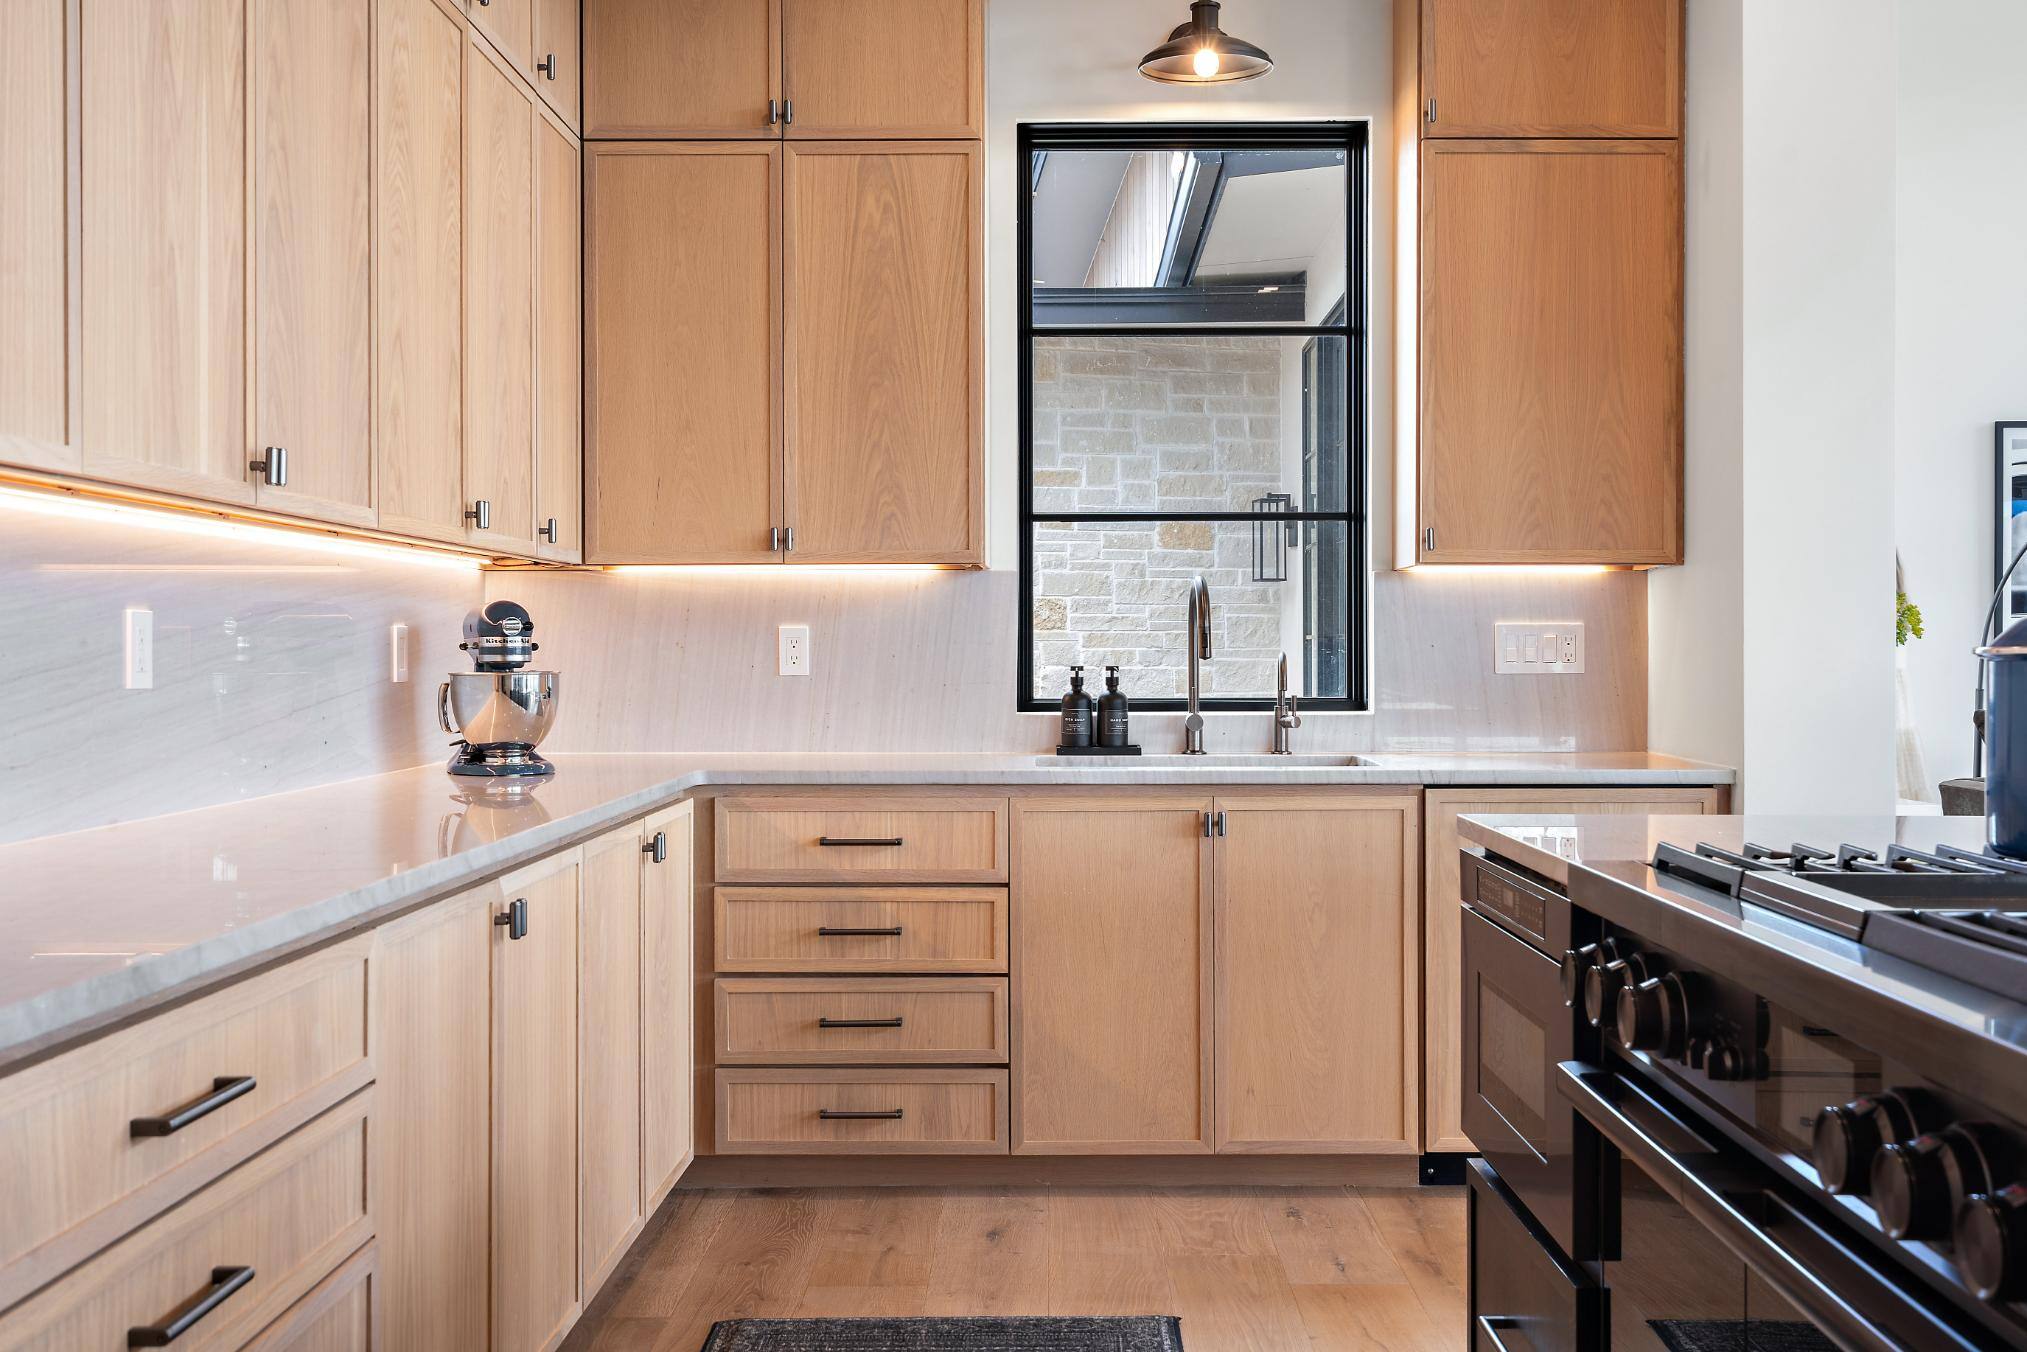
{"points": [[1199, 52]]}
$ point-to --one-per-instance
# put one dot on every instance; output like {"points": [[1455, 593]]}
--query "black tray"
{"points": [[1128, 750]]}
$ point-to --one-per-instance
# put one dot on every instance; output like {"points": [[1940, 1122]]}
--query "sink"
{"points": [[1177, 761]]}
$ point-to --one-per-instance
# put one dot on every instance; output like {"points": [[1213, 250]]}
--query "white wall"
{"points": [[1962, 326]]}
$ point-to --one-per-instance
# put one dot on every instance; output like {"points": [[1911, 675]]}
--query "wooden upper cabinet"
{"points": [[312, 350], [884, 352], [1551, 67], [683, 309], [859, 68], [559, 388], [419, 270], [499, 335], [1551, 352], [1111, 975], [510, 26], [164, 245], [675, 68], [1316, 993], [35, 329], [557, 66]]}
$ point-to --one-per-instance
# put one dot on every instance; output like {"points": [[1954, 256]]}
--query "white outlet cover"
{"points": [[793, 642], [138, 663], [1537, 648], [397, 654]]}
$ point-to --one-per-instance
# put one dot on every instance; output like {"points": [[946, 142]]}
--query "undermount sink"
{"points": [[1177, 761]]}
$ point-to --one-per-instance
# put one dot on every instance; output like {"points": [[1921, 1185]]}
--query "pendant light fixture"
{"points": [[1198, 52]]}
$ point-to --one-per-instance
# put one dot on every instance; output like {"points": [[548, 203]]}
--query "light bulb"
{"points": [[1206, 62]]}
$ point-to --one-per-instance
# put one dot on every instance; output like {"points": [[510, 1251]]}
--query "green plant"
{"points": [[1906, 619]]}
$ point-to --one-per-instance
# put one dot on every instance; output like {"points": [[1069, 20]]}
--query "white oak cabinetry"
{"points": [[610, 980], [37, 363], [668, 1001]]}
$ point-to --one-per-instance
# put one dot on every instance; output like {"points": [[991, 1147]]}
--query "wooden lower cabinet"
{"points": [[668, 1000], [862, 1112], [1317, 972], [1442, 939], [535, 1115], [1111, 974], [609, 1053], [343, 1313]]}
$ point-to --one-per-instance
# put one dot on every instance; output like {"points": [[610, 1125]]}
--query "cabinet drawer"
{"points": [[290, 1215], [900, 840], [862, 1112], [863, 929], [340, 1315], [861, 1020], [126, 1126]]}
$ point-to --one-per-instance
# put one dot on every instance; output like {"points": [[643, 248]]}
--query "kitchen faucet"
{"points": [[1286, 719], [1199, 648]]}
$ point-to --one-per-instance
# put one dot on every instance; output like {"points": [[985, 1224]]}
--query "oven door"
{"points": [[1516, 1030], [1705, 1248]]}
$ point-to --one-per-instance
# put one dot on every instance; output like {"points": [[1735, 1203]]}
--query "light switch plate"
{"points": [[1552, 648], [794, 643]]}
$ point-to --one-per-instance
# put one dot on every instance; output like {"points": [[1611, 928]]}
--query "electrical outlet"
{"points": [[794, 640], [1536, 649], [139, 663], [397, 654]]}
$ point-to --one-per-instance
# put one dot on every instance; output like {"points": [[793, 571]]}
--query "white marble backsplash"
{"points": [[925, 661], [272, 665]]}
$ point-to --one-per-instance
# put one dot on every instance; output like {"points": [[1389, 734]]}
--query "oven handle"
{"points": [[1603, 1100]]}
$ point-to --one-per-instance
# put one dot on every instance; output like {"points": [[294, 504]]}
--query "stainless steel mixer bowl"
{"points": [[498, 708]]}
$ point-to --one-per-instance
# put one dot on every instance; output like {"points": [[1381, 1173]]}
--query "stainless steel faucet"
{"points": [[1286, 719], [1199, 649]]}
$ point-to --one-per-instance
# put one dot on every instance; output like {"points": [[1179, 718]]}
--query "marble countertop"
{"points": [[107, 923]]}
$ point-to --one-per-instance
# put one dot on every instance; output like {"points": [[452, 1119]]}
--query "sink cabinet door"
{"points": [[1111, 975], [1316, 987]]}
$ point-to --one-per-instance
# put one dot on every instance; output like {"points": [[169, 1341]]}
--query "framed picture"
{"points": [[2010, 499]]}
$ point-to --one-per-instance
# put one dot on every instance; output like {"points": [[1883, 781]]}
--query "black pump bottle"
{"points": [[1079, 715], [1113, 729]]}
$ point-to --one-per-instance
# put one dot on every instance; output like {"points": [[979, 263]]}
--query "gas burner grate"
{"points": [[1986, 948]]}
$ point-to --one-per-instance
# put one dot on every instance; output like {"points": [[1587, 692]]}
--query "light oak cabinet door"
{"points": [[312, 186], [1111, 975], [609, 1053], [35, 328], [683, 418], [1551, 352], [432, 1201], [1443, 922], [510, 26], [682, 68], [1569, 68], [1316, 989], [557, 63], [668, 1002], [535, 1066], [499, 391], [559, 440], [884, 67], [419, 270], [884, 352], [162, 107]]}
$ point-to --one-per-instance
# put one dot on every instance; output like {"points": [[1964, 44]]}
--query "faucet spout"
{"points": [[1199, 650]]}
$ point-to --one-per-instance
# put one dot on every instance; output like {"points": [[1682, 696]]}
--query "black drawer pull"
{"points": [[894, 1022], [851, 842], [852, 1115], [515, 918], [224, 1089], [657, 848], [224, 1281], [858, 932]]}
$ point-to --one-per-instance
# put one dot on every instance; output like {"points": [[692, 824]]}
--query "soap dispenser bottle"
{"points": [[1113, 729], [1079, 715]]}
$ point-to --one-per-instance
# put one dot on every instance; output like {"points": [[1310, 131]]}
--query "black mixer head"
{"points": [[500, 636]]}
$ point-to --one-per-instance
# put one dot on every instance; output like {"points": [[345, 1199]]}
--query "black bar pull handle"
{"points": [[658, 848], [894, 1022], [224, 1282], [858, 932], [853, 1115], [224, 1089], [848, 842], [515, 918]]}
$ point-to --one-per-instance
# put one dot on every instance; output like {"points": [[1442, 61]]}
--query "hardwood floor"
{"points": [[1246, 1269]]}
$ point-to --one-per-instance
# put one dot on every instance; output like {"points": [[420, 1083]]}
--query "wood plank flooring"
{"points": [[1247, 1269]]}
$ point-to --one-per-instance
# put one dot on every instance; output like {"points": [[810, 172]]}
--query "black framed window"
{"points": [[1192, 403]]}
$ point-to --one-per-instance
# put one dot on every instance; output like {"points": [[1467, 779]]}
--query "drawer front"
{"points": [[760, 929], [861, 1020], [1523, 1292], [291, 1215], [899, 840], [130, 1124], [862, 1112], [340, 1315]]}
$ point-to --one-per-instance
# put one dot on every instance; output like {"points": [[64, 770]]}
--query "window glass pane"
{"points": [[1187, 236], [1110, 593], [1163, 423]]}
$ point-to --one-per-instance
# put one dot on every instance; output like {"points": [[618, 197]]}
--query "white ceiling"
{"points": [[1275, 223]]}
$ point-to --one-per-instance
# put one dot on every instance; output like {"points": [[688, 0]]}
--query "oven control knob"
{"points": [[1918, 1185], [1576, 964], [1847, 1137], [1603, 982], [1726, 1062], [1658, 1015], [1991, 1240]]}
